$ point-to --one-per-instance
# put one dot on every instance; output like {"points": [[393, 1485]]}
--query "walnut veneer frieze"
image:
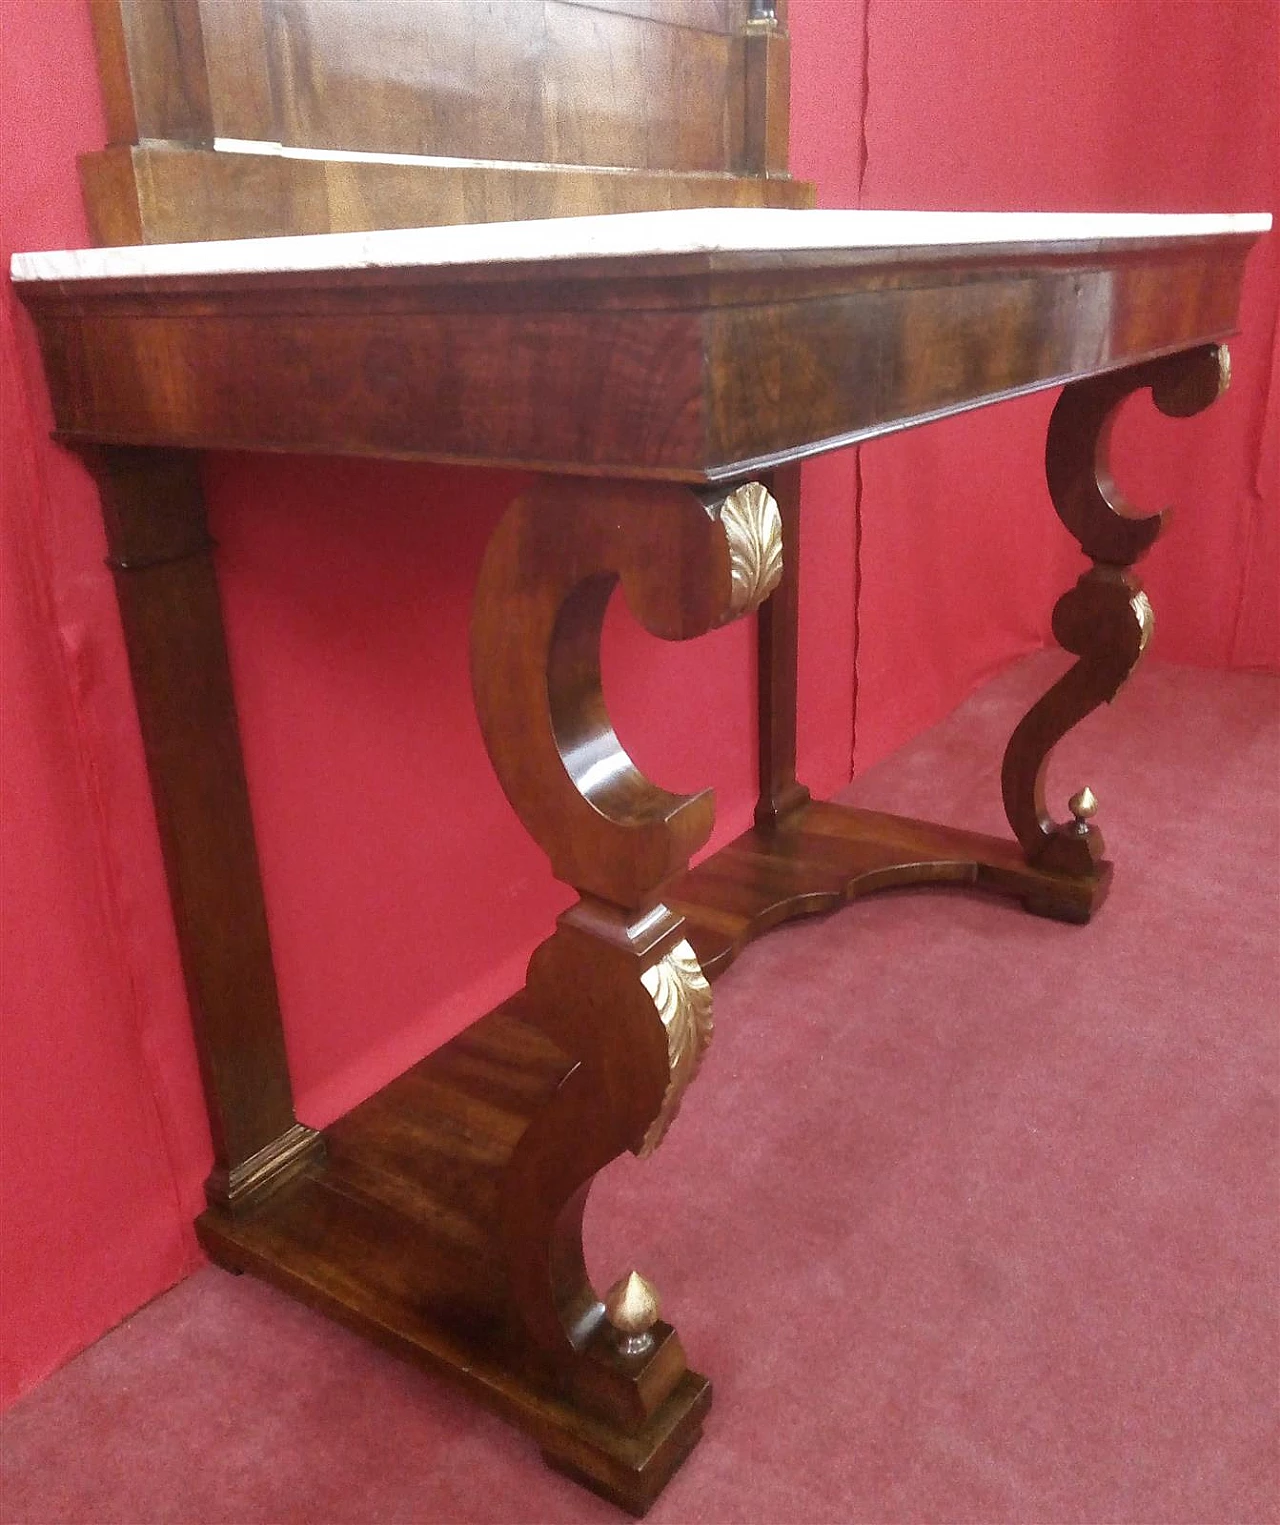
{"points": [[698, 346]]}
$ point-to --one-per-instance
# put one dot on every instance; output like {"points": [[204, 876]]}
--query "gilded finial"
{"points": [[631, 1306], [1084, 806]]}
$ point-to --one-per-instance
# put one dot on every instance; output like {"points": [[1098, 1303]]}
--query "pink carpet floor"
{"points": [[970, 1216]]}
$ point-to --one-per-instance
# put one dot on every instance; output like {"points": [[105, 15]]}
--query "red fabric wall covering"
{"points": [[99, 1108], [1152, 105], [84, 1149], [403, 898]]}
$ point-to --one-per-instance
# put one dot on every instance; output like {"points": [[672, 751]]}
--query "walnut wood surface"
{"points": [[641, 85], [398, 1235], [402, 1233], [548, 574], [160, 194], [698, 367], [151, 63], [1105, 620], [1077, 451], [767, 87], [418, 78], [160, 552], [616, 986], [687, 95], [822, 855], [776, 666]]}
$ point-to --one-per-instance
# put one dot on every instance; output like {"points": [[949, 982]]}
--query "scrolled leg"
{"points": [[686, 564], [1105, 620], [617, 985], [599, 986]]}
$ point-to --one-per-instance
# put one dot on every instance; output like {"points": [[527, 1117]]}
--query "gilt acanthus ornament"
{"points": [[680, 991], [753, 529]]}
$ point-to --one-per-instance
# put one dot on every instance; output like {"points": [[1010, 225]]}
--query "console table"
{"points": [[664, 372]]}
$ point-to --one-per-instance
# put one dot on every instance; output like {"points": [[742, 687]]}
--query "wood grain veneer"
{"points": [[688, 98], [692, 366]]}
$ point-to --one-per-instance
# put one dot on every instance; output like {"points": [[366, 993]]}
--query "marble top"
{"points": [[705, 230]]}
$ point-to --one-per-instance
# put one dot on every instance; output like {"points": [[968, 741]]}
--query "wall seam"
{"points": [[1256, 500], [863, 150]]}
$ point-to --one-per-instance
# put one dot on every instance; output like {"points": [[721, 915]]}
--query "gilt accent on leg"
{"points": [[587, 989], [682, 996], [1106, 620], [687, 564], [617, 986]]}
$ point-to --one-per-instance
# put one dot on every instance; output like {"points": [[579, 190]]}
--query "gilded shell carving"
{"points": [[1140, 605], [1146, 617], [753, 528], [680, 991]]}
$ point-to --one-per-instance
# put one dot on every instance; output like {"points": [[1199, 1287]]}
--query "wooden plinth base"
{"points": [[823, 854], [393, 1235], [394, 1232]]}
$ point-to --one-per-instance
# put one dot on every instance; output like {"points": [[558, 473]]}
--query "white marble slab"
{"points": [[264, 148], [625, 235]]}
